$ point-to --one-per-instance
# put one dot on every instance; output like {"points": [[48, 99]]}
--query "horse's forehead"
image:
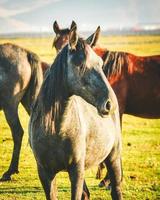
{"points": [[65, 31]]}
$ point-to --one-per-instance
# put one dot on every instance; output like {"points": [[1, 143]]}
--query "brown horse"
{"points": [[75, 96], [62, 36], [134, 79], [21, 75]]}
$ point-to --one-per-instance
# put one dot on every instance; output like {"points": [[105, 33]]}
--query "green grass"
{"points": [[141, 140]]}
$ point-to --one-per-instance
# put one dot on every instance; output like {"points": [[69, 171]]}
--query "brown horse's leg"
{"points": [[101, 166], [115, 173], [105, 182], [76, 174], [48, 183], [12, 118]]}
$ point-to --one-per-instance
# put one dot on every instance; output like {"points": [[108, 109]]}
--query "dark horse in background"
{"points": [[134, 79], [21, 75], [75, 97], [62, 36]]}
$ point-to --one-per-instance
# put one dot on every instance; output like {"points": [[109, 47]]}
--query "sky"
{"points": [[39, 15]]}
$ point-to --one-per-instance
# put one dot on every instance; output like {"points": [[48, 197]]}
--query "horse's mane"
{"points": [[54, 92], [113, 63]]}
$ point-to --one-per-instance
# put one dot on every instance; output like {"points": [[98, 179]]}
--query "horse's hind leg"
{"points": [[11, 114], [86, 193], [105, 182], [76, 174], [48, 183], [115, 173]]}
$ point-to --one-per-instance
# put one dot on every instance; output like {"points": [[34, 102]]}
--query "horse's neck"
{"points": [[77, 115], [80, 117], [72, 115], [115, 65], [100, 51]]}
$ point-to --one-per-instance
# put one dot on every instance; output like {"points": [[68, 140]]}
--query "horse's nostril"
{"points": [[106, 108], [108, 105]]}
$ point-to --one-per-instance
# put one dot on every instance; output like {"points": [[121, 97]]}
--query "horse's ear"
{"points": [[56, 27], [93, 39], [73, 24], [73, 37]]}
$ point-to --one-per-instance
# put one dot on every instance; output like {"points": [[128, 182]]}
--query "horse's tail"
{"points": [[35, 81], [45, 66]]}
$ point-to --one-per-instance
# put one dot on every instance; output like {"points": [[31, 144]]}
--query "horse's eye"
{"points": [[78, 59]]}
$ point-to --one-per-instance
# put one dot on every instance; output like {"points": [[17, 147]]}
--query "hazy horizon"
{"points": [[39, 15]]}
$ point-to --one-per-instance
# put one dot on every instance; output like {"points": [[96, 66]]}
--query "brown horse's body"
{"points": [[136, 82], [21, 75]]}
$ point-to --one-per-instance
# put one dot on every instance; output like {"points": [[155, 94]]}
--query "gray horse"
{"points": [[74, 123]]}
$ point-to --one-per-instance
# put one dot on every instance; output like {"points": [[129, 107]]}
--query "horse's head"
{"points": [[85, 76], [62, 36], [77, 70]]}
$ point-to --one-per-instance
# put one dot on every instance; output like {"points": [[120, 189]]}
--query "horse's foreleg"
{"points": [[106, 180], [115, 173], [12, 118], [48, 183], [76, 174], [86, 193], [53, 192]]}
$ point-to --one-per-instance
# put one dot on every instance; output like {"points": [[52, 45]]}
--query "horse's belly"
{"points": [[14, 82], [143, 98], [145, 109], [96, 156]]}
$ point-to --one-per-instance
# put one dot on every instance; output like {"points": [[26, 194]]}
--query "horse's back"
{"points": [[143, 86], [154, 59]]}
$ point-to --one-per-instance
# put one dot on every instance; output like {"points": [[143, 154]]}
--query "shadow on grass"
{"points": [[21, 190]]}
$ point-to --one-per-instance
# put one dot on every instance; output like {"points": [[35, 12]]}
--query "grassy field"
{"points": [[141, 139]]}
